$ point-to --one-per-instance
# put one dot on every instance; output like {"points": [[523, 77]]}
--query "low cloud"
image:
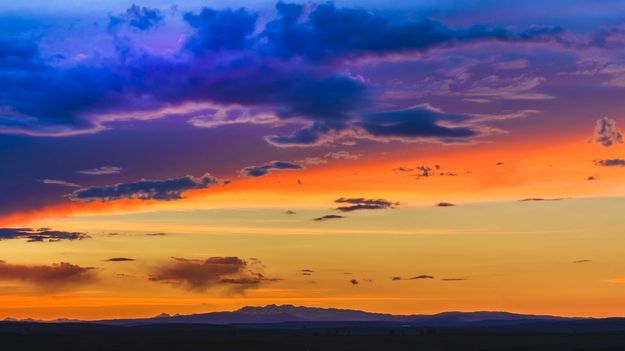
{"points": [[104, 170], [417, 277], [606, 133], [48, 277], [582, 261], [120, 259], [164, 190], [233, 273], [530, 199], [327, 217], [445, 204], [355, 204], [40, 235], [259, 171], [353, 282], [613, 162], [305, 272]]}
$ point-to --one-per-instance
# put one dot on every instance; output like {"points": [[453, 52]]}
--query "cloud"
{"points": [[138, 17], [453, 279], [445, 204], [259, 171], [156, 234], [582, 261], [530, 199], [104, 170], [289, 212], [120, 259], [201, 275], [417, 277], [332, 33], [341, 155], [40, 235], [364, 204], [61, 183], [353, 281], [291, 66], [167, 189], [48, 277], [305, 272], [327, 217], [614, 162], [606, 133]]}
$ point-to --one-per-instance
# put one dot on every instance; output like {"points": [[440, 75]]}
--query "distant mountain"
{"points": [[272, 314]]}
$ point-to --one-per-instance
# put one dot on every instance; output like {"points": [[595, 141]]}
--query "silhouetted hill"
{"points": [[272, 314]]}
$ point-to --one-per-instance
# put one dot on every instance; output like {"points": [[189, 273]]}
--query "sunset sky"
{"points": [[405, 157]]}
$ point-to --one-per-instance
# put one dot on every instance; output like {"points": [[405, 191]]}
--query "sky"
{"points": [[410, 157]]}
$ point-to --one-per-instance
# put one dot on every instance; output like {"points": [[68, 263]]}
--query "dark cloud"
{"points": [[445, 204], [582, 261], [288, 64], [289, 212], [218, 30], [418, 277], [48, 277], [328, 32], [606, 133], [327, 217], [200, 275], [167, 189], [104, 170], [156, 234], [353, 282], [305, 272], [417, 122], [120, 259], [499, 163], [259, 171], [40, 235], [613, 162], [364, 204], [591, 178], [138, 17]]}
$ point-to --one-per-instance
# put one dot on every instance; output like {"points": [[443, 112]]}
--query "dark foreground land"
{"points": [[548, 336]]}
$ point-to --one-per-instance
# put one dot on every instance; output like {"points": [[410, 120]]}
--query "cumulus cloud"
{"points": [[259, 171], [355, 204], [48, 277], [613, 162], [606, 133], [104, 170], [40, 235], [137, 17], [327, 217], [289, 65], [199, 275], [167, 189]]}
